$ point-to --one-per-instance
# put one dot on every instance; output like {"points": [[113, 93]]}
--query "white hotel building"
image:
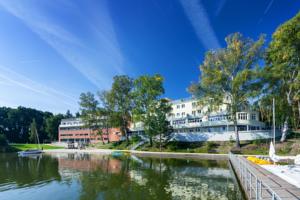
{"points": [[193, 122]]}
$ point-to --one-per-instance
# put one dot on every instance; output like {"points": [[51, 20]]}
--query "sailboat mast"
{"points": [[274, 121], [38, 140]]}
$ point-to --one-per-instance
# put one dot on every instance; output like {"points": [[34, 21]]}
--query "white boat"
{"points": [[30, 152]]}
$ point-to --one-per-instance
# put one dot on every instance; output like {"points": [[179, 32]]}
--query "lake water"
{"points": [[90, 177]]}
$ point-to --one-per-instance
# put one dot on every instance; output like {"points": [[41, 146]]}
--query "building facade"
{"points": [[192, 121], [188, 115], [73, 130]]}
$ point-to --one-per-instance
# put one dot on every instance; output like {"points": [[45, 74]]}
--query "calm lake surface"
{"points": [[89, 177]]}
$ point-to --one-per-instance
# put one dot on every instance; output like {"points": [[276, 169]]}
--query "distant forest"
{"points": [[15, 124]]}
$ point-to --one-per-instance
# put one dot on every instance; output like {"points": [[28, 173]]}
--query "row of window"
{"points": [[69, 134], [194, 104], [177, 122], [183, 114], [218, 118], [244, 116], [182, 106], [195, 120], [66, 134], [72, 128], [71, 123], [216, 129]]}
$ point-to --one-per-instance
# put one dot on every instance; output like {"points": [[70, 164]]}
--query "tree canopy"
{"points": [[228, 75], [281, 73]]}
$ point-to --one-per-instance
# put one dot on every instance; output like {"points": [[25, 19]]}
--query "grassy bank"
{"points": [[22, 147], [257, 147]]}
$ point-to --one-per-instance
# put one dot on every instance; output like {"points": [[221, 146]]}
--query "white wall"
{"points": [[223, 136]]}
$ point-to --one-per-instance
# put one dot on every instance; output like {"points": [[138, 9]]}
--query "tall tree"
{"points": [[68, 114], [33, 131], [121, 103], [89, 108], [230, 73], [147, 90], [283, 69], [155, 120], [15, 123], [104, 113], [51, 126]]}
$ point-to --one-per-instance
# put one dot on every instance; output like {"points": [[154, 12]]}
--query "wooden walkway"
{"points": [[259, 183]]}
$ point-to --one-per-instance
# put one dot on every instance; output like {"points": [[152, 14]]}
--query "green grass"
{"points": [[22, 147], [261, 147]]}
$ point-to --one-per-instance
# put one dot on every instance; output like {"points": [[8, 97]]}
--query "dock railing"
{"points": [[253, 185]]}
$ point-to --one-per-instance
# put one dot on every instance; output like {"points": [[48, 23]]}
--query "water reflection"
{"points": [[25, 172], [89, 177]]}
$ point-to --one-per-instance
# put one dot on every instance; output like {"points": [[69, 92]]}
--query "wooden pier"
{"points": [[259, 183]]}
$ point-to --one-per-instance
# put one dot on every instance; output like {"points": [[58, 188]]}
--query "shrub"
{"points": [[3, 141], [209, 145], [231, 140]]}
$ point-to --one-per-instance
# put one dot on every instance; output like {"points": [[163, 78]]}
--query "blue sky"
{"points": [[51, 51]]}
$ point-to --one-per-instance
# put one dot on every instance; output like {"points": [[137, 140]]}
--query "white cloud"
{"points": [[220, 7], [268, 7], [199, 19], [266, 11], [10, 77], [98, 59]]}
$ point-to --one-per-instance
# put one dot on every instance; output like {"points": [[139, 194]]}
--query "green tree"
{"points": [[33, 132], [51, 126], [3, 141], [147, 89], [68, 114], [230, 73], [155, 120], [283, 67], [148, 108], [89, 110], [120, 103], [104, 113], [15, 123]]}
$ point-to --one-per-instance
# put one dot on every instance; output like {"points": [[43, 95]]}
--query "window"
{"points": [[177, 122], [178, 106], [177, 114], [199, 111], [253, 116], [242, 116], [194, 120], [194, 104], [183, 114], [183, 105], [194, 113]]}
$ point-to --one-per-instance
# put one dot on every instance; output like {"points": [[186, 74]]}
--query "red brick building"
{"points": [[73, 130]]}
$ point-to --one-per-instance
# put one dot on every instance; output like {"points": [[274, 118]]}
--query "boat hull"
{"points": [[30, 152]]}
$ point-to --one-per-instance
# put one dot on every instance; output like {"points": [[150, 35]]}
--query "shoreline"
{"points": [[209, 156]]}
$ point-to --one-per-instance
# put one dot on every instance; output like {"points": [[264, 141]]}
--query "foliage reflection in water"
{"points": [[89, 177]]}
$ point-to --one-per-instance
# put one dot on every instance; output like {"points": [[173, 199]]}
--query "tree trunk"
{"points": [[284, 130], [160, 141], [126, 135], [151, 142], [102, 138], [125, 128], [107, 133], [237, 137]]}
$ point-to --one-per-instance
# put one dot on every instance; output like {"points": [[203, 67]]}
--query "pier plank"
{"points": [[282, 188]]}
